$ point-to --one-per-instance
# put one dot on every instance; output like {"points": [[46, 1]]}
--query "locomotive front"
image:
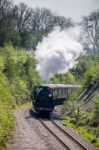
{"points": [[43, 99]]}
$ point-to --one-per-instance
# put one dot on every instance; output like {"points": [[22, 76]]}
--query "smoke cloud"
{"points": [[57, 53]]}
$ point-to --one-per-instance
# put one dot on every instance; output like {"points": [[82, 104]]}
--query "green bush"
{"points": [[18, 75], [6, 122]]}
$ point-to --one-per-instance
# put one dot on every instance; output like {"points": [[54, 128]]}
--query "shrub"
{"points": [[18, 75]]}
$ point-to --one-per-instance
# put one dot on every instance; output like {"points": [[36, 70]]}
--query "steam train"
{"points": [[46, 96]]}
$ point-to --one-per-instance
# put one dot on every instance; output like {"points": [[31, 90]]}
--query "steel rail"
{"points": [[66, 133], [58, 139]]}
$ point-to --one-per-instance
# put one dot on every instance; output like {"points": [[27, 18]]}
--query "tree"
{"points": [[22, 15], [9, 34], [90, 32], [28, 41], [44, 21], [62, 22], [24, 26], [92, 73], [6, 7]]}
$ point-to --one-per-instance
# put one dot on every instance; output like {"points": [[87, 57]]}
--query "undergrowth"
{"points": [[18, 75], [89, 133]]}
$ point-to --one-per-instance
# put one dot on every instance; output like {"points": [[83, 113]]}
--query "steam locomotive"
{"points": [[46, 96]]}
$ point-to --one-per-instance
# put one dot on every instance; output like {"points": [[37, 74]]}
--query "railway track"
{"points": [[65, 139]]}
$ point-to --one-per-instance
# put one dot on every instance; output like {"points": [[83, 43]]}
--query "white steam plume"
{"points": [[57, 53]]}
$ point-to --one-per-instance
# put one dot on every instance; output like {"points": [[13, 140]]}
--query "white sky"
{"points": [[68, 8]]}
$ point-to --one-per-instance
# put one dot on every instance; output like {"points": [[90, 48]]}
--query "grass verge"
{"points": [[84, 131], [7, 124]]}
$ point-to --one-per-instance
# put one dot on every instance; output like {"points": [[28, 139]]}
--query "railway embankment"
{"points": [[82, 116]]}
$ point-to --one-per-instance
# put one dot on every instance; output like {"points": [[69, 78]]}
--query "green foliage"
{"points": [[70, 106], [81, 68], [28, 41], [92, 73], [86, 124], [85, 131], [9, 34], [6, 122], [18, 76], [96, 111], [6, 105], [67, 78], [87, 69], [1, 63]]}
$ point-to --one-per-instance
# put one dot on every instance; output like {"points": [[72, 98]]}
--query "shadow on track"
{"points": [[44, 115]]}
